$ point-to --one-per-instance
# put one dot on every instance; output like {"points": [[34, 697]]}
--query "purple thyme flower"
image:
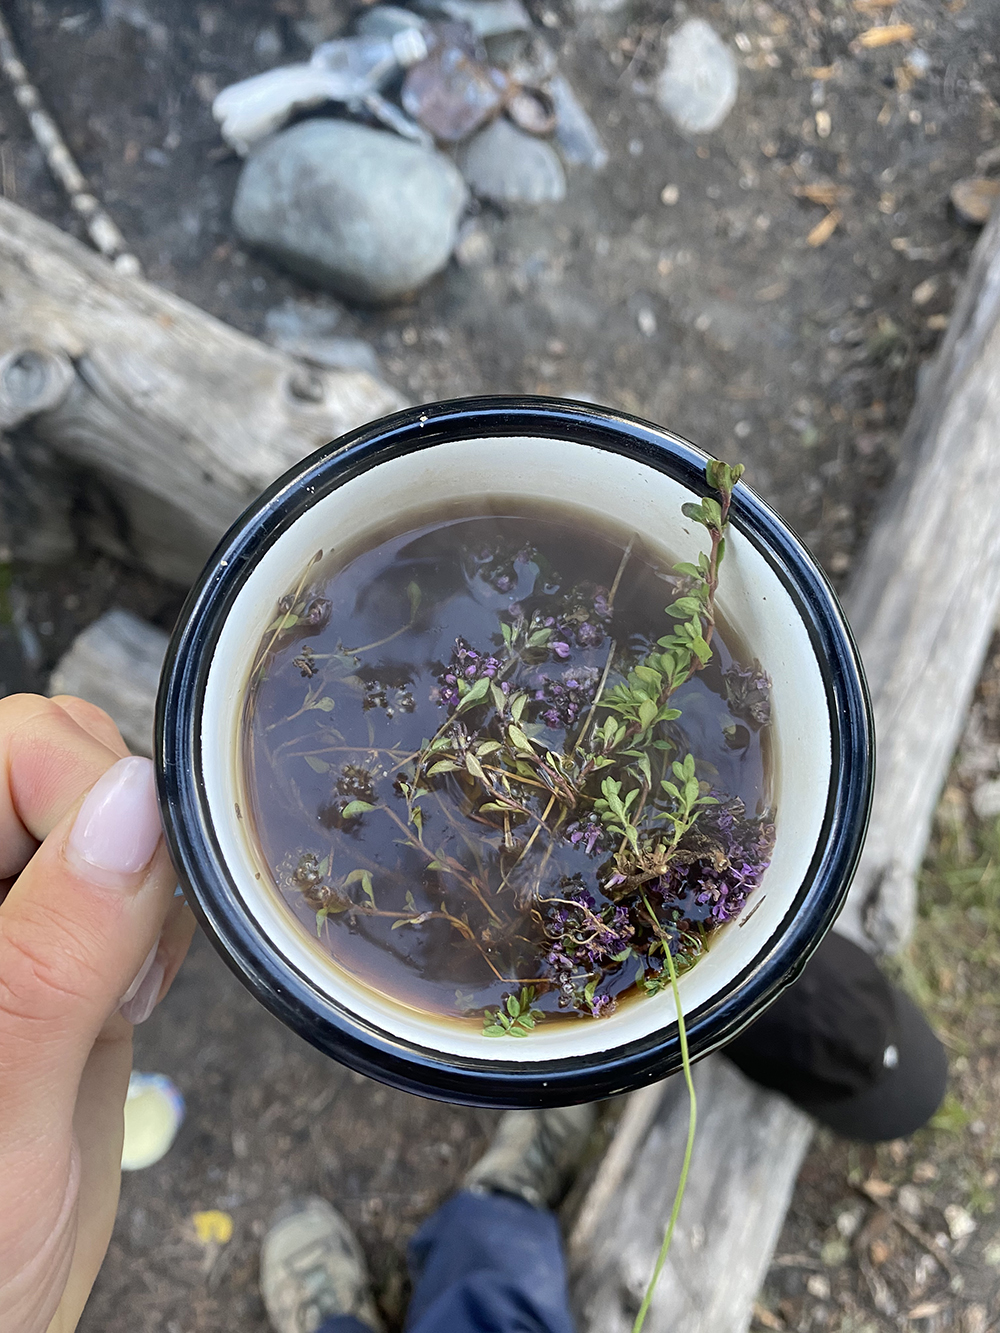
{"points": [[317, 613], [465, 664], [721, 882]]}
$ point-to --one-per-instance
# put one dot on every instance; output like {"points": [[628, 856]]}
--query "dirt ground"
{"points": [[714, 315]]}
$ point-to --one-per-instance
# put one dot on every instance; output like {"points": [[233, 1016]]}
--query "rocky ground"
{"points": [[771, 290]]}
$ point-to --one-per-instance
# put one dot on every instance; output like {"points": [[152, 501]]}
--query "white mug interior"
{"points": [[752, 599]]}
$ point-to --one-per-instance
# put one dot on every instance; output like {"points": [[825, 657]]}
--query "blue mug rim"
{"points": [[331, 1027]]}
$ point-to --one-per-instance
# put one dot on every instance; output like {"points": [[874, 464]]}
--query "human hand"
{"points": [[87, 910]]}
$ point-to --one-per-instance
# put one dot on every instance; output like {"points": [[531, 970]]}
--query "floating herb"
{"points": [[547, 830]]}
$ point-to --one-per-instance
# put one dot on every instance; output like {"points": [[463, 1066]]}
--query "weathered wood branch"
{"points": [[115, 663], [714, 1269], [184, 418], [925, 599], [923, 607]]}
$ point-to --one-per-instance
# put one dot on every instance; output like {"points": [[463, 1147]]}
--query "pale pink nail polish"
{"points": [[118, 827], [141, 974], [143, 1002]]}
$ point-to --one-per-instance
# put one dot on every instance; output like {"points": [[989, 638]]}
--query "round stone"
{"points": [[362, 212], [700, 81], [507, 166]]}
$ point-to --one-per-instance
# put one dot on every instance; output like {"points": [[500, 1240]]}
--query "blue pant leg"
{"points": [[488, 1263]]}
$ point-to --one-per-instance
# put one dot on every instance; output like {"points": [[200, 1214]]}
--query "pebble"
{"points": [[576, 133], [910, 1201], [486, 18], [365, 213], [986, 800], [333, 353], [474, 249], [300, 319], [974, 198], [960, 1223], [818, 1285], [699, 83], [835, 1252], [505, 165], [585, 7], [387, 21]]}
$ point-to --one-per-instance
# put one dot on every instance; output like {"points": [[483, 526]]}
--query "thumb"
{"points": [[75, 929]]}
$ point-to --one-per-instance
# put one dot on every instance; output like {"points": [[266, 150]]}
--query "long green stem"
{"points": [[640, 1318]]}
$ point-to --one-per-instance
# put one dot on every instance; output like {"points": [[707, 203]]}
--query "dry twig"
{"points": [[910, 1227], [101, 229]]}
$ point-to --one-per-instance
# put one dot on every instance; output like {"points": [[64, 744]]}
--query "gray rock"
{"points": [[986, 800], [300, 319], [486, 18], [365, 213], [333, 353], [387, 20], [507, 166], [699, 83], [584, 8], [576, 133]]}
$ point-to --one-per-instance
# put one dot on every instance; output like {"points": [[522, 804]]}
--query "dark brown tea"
{"points": [[495, 777]]}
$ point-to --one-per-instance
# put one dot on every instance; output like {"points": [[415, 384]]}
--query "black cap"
{"points": [[848, 1047]]}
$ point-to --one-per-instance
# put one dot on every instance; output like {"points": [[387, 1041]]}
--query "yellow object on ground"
{"points": [[213, 1225]]}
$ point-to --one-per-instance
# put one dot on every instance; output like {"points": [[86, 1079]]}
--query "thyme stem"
{"points": [[640, 1318]]}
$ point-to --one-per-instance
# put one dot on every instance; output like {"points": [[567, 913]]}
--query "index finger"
{"points": [[47, 761]]}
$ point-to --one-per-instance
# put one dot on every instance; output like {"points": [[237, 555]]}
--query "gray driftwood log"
{"points": [[925, 599], [184, 418], [923, 607], [115, 663]]}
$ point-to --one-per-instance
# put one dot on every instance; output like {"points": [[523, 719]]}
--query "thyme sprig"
{"points": [[617, 785]]}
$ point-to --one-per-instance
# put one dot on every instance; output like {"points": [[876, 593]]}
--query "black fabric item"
{"points": [[847, 1047]]}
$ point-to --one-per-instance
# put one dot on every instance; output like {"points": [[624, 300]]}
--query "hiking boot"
{"points": [[312, 1268], [534, 1154]]}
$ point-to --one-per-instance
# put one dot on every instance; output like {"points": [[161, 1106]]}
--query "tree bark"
{"points": [[184, 418]]}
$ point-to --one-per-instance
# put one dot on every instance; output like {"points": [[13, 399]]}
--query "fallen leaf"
{"points": [[824, 229], [924, 291], [822, 72], [764, 1316], [974, 198], [773, 292], [925, 1310], [877, 1189], [213, 1225], [825, 192], [879, 1252], [887, 35]]}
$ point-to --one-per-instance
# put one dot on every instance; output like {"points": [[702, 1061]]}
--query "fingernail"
{"points": [[139, 976], [118, 827], [137, 1009]]}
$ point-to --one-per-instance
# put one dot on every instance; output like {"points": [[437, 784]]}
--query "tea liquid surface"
{"points": [[452, 917]]}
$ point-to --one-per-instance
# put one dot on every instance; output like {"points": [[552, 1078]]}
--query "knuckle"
{"points": [[93, 719]]}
